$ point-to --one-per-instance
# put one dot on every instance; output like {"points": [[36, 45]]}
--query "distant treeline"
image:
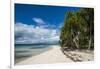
{"points": [[78, 29]]}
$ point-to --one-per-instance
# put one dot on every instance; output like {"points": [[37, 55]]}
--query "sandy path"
{"points": [[52, 56]]}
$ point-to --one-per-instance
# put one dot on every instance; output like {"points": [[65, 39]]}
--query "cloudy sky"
{"points": [[38, 23]]}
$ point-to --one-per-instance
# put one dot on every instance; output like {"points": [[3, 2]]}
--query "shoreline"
{"points": [[33, 52], [55, 55]]}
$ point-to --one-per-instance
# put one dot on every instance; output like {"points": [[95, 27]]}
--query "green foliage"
{"points": [[78, 29]]}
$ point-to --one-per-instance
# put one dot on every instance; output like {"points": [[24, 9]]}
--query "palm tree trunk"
{"points": [[89, 44], [76, 43]]}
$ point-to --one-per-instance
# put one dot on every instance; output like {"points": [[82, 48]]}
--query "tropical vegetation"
{"points": [[78, 29]]}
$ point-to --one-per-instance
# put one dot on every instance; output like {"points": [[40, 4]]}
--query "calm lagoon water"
{"points": [[24, 51]]}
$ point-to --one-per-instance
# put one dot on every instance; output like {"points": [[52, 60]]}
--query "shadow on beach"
{"points": [[79, 55]]}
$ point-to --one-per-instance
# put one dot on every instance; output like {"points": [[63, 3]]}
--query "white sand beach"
{"points": [[54, 55]]}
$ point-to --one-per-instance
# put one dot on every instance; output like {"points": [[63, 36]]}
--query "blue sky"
{"points": [[39, 23]]}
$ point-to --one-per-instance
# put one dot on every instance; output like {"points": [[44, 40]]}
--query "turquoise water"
{"points": [[24, 51]]}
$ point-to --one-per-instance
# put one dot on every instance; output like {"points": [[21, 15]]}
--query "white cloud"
{"points": [[34, 34], [38, 20]]}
